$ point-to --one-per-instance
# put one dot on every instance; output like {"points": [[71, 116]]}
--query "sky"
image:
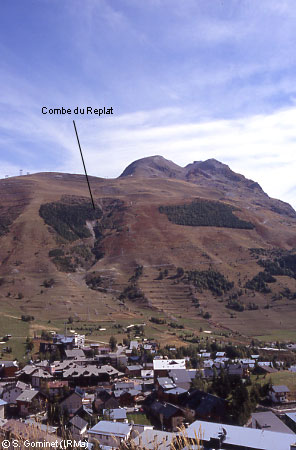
{"points": [[189, 80]]}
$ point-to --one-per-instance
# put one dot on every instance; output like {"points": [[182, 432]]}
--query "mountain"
{"points": [[210, 174], [199, 246], [154, 166]]}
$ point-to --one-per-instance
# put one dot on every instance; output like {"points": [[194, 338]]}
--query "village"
{"points": [[105, 395]]}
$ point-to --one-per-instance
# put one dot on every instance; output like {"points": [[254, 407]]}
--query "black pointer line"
{"points": [[92, 200]]}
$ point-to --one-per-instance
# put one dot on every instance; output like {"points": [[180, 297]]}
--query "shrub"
{"points": [[56, 252], [48, 283], [64, 264], [158, 321], [68, 220], [93, 281], [258, 282], [27, 318], [205, 213], [209, 279]]}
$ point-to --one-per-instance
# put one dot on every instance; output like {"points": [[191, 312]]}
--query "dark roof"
{"points": [[102, 394], [205, 404], [166, 409], [180, 376], [77, 422]]}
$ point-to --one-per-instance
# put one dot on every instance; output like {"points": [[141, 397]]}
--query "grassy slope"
{"points": [[148, 239]]}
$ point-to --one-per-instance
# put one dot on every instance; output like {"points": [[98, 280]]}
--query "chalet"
{"points": [[103, 350], [134, 371], [69, 342], [73, 402], [237, 370], [104, 400], [205, 355], [124, 385], [11, 391], [169, 416], [129, 398], [48, 347], [25, 374], [175, 395], [209, 372], [75, 353], [8, 369], [56, 387], [163, 384], [250, 363], [279, 394], [204, 406], [162, 367], [110, 434], [39, 377], [78, 427], [182, 377], [117, 414], [30, 402], [265, 370]]}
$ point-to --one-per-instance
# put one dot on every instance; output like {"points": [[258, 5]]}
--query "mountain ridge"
{"points": [[151, 222], [207, 173]]}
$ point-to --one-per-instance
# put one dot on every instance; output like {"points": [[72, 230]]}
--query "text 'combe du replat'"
{"points": [[83, 111]]}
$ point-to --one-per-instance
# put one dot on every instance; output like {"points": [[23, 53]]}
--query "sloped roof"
{"points": [[77, 422], [27, 395], [241, 436], [268, 420], [180, 376], [115, 414], [151, 439], [168, 364], [116, 429], [176, 391], [280, 388], [75, 353]]}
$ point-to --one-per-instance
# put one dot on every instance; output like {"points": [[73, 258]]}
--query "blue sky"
{"points": [[190, 80]]}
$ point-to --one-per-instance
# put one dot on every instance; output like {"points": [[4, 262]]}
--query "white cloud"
{"points": [[261, 147]]}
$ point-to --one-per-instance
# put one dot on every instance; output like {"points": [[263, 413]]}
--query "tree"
{"points": [[180, 272], [198, 383], [29, 344], [46, 335], [112, 343]]}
